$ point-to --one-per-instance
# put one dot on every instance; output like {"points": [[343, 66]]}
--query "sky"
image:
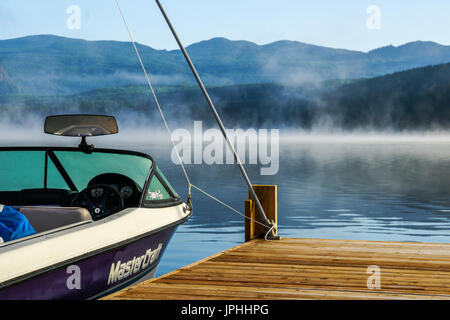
{"points": [[350, 24]]}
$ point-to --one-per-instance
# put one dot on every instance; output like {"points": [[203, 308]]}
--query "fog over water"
{"points": [[366, 186]]}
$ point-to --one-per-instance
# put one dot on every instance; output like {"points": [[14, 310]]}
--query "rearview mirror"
{"points": [[81, 125]]}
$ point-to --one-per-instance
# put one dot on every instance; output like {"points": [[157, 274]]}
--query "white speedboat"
{"points": [[102, 217]]}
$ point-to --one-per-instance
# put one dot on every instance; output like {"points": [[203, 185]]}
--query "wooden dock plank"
{"points": [[306, 269]]}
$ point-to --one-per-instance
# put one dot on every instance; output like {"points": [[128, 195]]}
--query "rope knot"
{"points": [[189, 206]]}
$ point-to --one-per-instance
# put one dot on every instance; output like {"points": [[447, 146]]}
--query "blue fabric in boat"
{"points": [[13, 224]]}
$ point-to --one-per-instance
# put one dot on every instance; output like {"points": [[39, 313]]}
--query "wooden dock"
{"points": [[307, 269], [304, 268]]}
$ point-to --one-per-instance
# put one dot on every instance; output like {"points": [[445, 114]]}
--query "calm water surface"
{"points": [[363, 191]]}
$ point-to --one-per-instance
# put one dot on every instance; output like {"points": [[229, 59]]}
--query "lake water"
{"points": [[363, 190], [382, 188]]}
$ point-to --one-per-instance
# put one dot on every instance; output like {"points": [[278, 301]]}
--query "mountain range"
{"points": [[417, 99], [52, 65]]}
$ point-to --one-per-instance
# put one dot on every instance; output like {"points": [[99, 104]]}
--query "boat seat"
{"points": [[48, 218]]}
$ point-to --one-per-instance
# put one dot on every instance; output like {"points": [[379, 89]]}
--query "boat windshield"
{"points": [[66, 169]]}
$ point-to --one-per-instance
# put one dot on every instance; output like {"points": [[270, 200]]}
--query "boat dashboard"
{"points": [[106, 194]]}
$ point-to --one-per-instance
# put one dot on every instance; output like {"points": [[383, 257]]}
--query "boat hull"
{"points": [[94, 275]]}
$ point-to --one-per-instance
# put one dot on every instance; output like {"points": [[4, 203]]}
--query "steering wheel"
{"points": [[101, 200]]}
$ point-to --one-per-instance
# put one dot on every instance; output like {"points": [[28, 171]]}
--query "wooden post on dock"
{"points": [[267, 195]]}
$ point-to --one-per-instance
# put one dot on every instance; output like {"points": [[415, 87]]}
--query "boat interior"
{"points": [[48, 209]]}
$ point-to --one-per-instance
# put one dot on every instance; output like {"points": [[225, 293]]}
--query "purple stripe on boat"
{"points": [[99, 275]]}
